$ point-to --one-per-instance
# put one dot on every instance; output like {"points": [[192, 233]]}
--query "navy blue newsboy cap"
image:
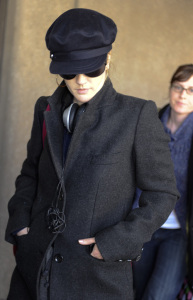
{"points": [[79, 41]]}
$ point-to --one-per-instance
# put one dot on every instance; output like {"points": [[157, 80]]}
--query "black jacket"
{"points": [[118, 144]]}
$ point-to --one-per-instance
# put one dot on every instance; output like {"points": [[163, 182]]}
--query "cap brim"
{"points": [[82, 66]]}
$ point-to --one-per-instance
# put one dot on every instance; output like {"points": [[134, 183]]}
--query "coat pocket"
{"points": [[107, 159]]}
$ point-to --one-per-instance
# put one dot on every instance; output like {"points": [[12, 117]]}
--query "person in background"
{"points": [[71, 216], [160, 272]]}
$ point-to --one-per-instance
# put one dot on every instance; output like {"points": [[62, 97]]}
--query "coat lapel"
{"points": [[87, 123], [55, 130], [55, 127]]}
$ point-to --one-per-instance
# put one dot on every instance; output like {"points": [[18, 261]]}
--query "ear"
{"points": [[108, 60]]}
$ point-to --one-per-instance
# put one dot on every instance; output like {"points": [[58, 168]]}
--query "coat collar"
{"points": [[61, 99], [55, 128], [104, 97]]}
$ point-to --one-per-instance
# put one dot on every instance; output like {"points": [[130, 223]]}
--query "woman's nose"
{"points": [[183, 93], [81, 79]]}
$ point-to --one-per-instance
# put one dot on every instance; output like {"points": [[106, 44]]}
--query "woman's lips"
{"points": [[82, 91], [181, 103]]}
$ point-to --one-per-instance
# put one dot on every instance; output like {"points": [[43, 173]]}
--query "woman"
{"points": [[71, 216], [161, 271]]}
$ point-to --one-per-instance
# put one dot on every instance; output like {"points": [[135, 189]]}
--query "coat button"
{"points": [[58, 258]]}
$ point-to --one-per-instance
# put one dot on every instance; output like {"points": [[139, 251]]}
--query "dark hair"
{"points": [[182, 73]]}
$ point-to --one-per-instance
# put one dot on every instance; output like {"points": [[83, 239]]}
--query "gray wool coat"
{"points": [[118, 144]]}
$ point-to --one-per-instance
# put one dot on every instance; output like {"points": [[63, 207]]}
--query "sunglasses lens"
{"points": [[68, 77], [97, 72], [91, 74]]}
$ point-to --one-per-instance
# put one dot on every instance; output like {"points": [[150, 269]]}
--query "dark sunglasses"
{"points": [[91, 74]]}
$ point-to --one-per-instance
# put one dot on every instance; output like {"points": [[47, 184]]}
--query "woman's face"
{"points": [[181, 102], [84, 88]]}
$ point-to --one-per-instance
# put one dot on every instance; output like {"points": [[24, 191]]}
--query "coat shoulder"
{"points": [[41, 103], [134, 102]]}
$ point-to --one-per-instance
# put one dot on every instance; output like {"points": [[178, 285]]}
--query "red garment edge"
{"points": [[43, 139]]}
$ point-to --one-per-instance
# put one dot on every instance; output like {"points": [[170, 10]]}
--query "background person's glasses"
{"points": [[179, 89]]}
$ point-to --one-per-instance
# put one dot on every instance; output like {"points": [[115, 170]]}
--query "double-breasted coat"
{"points": [[118, 143]]}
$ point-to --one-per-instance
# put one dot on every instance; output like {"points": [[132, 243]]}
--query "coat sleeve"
{"points": [[155, 177], [20, 204]]}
